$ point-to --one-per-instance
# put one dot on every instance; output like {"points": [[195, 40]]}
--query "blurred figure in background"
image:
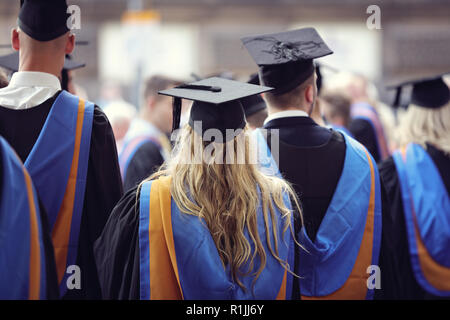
{"points": [[366, 125], [336, 109], [146, 145], [417, 180], [120, 114]]}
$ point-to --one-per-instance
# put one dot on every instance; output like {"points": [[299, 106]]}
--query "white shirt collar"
{"points": [[34, 79], [286, 114]]}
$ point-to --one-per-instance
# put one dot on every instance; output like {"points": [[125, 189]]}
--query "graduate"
{"points": [[27, 264], [366, 125], [209, 229], [146, 145], [417, 180], [334, 176], [66, 144]]}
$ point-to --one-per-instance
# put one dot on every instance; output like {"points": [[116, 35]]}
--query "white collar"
{"points": [[286, 114], [34, 79]]}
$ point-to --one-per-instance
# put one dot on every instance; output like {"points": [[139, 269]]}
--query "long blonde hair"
{"points": [[227, 197], [421, 125]]}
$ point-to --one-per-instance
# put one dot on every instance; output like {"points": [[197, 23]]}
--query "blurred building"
{"points": [[180, 37]]}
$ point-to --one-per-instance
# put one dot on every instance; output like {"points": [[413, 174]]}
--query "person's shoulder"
{"points": [[359, 125]]}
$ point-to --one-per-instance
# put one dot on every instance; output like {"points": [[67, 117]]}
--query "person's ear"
{"points": [[15, 42], [70, 44], [309, 94]]}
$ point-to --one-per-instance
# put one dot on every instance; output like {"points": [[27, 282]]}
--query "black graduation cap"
{"points": [[43, 20], [431, 92], [255, 103], [216, 103], [11, 62], [286, 59]]}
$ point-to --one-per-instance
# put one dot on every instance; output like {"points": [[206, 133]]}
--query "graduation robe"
{"points": [[408, 285], [142, 163], [311, 158], [21, 128], [123, 254], [27, 252], [367, 128]]}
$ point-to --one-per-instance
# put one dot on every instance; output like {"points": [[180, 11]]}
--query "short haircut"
{"points": [[339, 106], [291, 99], [3, 80], [157, 83]]}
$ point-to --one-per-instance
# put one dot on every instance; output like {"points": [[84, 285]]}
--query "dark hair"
{"points": [[3, 80]]}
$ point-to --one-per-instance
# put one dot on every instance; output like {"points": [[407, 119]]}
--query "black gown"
{"points": [[312, 159], [363, 131], [408, 286], [144, 163], [117, 249], [21, 129], [50, 266]]}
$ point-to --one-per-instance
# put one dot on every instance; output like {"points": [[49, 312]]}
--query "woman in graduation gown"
{"points": [[417, 179], [203, 229]]}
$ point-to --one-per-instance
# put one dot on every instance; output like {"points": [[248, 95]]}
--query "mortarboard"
{"points": [[216, 103], [11, 62], [255, 103], [286, 59], [431, 92], [43, 20]]}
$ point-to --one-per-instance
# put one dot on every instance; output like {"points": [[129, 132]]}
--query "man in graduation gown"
{"points": [[417, 180], [27, 262], [66, 144], [146, 144], [334, 176]]}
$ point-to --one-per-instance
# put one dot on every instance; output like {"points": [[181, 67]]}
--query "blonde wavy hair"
{"points": [[421, 125], [227, 197]]}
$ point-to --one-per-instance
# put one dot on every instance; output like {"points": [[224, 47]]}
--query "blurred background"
{"points": [[129, 40]]}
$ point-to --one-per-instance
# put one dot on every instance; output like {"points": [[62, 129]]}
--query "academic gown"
{"points": [[408, 286], [362, 130], [144, 163], [311, 158], [52, 287], [119, 262], [21, 129]]}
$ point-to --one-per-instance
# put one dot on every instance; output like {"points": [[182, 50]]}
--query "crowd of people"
{"points": [[287, 186]]}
